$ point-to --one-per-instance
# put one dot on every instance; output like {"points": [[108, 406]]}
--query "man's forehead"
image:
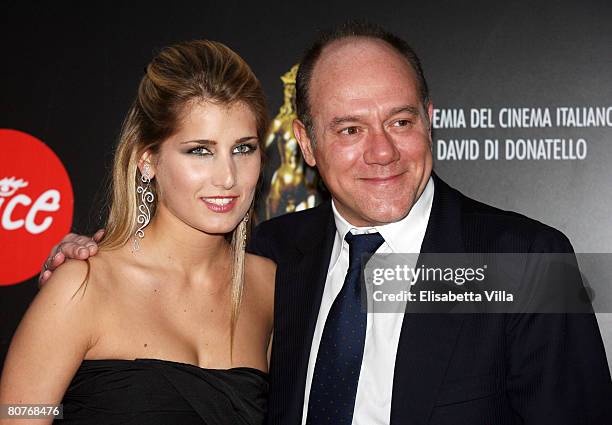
{"points": [[348, 64], [362, 75], [384, 99], [344, 52]]}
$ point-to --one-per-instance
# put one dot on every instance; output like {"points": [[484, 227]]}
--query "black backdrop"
{"points": [[69, 73]]}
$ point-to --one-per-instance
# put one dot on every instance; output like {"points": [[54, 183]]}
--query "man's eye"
{"points": [[244, 149], [201, 151], [349, 131], [402, 123]]}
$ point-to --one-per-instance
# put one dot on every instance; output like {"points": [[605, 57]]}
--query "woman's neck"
{"points": [[177, 246]]}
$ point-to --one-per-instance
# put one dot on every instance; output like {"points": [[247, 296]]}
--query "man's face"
{"points": [[373, 141]]}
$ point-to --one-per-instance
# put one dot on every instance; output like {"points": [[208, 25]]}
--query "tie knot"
{"points": [[360, 245]]}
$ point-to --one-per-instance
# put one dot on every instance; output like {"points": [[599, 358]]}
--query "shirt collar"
{"points": [[401, 235]]}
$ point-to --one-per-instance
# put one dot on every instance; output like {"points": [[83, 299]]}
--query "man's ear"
{"points": [[299, 130], [146, 164], [430, 114]]}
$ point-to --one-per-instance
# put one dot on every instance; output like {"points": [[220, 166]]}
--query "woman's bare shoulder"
{"points": [[259, 276], [92, 280], [260, 269], [67, 280]]}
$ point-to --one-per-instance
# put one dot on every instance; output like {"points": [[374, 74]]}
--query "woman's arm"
{"points": [[51, 340]]}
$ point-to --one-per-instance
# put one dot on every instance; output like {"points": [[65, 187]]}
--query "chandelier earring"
{"points": [[145, 199]]}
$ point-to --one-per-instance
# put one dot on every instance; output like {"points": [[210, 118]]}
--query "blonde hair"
{"points": [[199, 70]]}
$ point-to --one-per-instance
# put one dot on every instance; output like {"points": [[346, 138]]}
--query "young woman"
{"points": [[171, 321]]}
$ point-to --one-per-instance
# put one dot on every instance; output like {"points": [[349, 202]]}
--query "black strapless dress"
{"points": [[156, 392]]}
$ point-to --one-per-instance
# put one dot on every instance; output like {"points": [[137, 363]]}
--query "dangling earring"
{"points": [[243, 229], [144, 212], [241, 233]]}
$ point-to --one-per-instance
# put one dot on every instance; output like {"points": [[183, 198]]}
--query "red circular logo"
{"points": [[36, 204]]}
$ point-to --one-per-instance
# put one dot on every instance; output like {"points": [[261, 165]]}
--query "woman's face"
{"points": [[207, 171]]}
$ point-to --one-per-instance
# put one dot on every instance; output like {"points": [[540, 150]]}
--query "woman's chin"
{"points": [[221, 228]]}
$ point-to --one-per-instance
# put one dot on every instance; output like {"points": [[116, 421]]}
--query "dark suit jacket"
{"points": [[450, 368]]}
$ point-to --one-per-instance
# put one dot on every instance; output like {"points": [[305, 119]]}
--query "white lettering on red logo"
{"points": [[36, 204]]}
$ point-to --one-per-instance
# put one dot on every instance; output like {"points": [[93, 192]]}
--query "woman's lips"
{"points": [[220, 204]]}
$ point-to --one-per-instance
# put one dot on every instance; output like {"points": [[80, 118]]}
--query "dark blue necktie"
{"points": [[336, 372]]}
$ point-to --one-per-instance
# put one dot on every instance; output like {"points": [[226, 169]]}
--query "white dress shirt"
{"points": [[373, 400]]}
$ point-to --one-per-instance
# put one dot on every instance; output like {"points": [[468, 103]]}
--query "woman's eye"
{"points": [[201, 150], [244, 149], [349, 131]]}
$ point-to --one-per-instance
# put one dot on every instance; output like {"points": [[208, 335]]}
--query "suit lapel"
{"points": [[427, 339], [300, 289]]}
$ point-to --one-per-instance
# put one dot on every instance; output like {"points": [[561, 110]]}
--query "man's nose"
{"points": [[224, 173], [380, 149]]}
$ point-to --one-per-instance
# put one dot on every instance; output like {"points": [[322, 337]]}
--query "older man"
{"points": [[364, 122]]}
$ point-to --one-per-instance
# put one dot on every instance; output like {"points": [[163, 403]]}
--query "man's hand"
{"points": [[72, 246]]}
